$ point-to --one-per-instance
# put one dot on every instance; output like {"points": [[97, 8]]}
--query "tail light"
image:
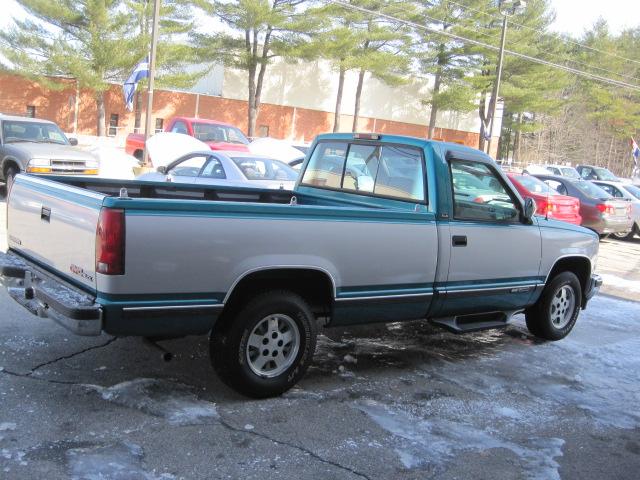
{"points": [[606, 209], [545, 208], [110, 242]]}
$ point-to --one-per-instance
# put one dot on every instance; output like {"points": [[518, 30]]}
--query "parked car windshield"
{"points": [[570, 172], [535, 186], [591, 190], [604, 174], [209, 132], [633, 190], [16, 131], [255, 168]]}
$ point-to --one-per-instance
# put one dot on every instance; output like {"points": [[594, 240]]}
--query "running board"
{"points": [[474, 322]]}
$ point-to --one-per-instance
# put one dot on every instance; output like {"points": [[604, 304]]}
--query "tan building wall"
{"points": [[281, 121]]}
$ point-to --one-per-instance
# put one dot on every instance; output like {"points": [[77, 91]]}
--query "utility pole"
{"points": [[152, 73], [517, 6]]}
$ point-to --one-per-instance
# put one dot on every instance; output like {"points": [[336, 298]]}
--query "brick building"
{"points": [[290, 116]]}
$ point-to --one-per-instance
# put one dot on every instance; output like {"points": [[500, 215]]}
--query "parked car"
{"points": [[218, 135], [239, 169], [591, 172], [630, 193], [599, 211], [563, 171], [33, 145], [533, 169], [549, 202], [257, 267]]}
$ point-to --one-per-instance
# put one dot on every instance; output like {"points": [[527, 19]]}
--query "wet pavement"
{"points": [[395, 401]]}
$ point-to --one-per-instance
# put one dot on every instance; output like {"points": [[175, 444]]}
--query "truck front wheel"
{"points": [[266, 347], [556, 312]]}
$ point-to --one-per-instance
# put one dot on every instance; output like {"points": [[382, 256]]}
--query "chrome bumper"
{"points": [[47, 296]]}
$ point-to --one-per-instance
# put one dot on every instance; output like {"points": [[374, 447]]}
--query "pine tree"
{"points": [[261, 30]]}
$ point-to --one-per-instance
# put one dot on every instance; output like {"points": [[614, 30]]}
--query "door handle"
{"points": [[459, 240], [45, 214]]}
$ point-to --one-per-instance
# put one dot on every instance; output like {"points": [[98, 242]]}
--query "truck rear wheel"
{"points": [[556, 312], [265, 349]]}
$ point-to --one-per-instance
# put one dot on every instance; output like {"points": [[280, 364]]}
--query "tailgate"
{"points": [[54, 224]]}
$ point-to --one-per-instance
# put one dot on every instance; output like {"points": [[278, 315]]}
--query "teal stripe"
{"points": [[162, 297], [60, 193], [491, 283]]}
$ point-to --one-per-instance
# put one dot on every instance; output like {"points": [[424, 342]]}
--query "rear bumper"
{"points": [[595, 282], [49, 297]]}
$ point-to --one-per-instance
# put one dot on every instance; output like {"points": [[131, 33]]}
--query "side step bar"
{"points": [[474, 322]]}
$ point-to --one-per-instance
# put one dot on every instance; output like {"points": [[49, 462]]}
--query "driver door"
{"points": [[495, 257]]}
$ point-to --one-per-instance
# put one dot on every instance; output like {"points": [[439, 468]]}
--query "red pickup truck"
{"points": [[218, 135]]}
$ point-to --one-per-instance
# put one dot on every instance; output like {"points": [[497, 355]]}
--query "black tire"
{"points": [[539, 317], [230, 350], [9, 176], [623, 236]]}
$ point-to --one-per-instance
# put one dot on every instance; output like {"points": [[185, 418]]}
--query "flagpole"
{"points": [[152, 74]]}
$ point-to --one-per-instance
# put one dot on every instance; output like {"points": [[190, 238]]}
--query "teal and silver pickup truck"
{"points": [[378, 228]]}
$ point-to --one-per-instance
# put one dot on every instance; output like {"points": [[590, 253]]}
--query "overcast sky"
{"points": [[573, 16]]}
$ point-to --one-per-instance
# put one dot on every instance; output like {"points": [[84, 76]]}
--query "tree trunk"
{"points": [[517, 140], [483, 119], [356, 110], [610, 151], [101, 114], [251, 109], [336, 118], [436, 90]]}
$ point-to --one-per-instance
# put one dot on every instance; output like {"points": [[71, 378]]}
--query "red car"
{"points": [[549, 202], [218, 135]]}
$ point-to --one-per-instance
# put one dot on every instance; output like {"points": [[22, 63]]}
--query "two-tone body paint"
{"points": [[386, 259]]}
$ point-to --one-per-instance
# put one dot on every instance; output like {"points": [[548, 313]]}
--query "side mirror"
{"points": [[162, 169], [529, 209], [73, 141]]}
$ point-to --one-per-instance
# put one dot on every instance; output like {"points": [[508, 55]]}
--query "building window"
{"points": [[113, 125], [159, 125], [31, 111], [263, 131]]}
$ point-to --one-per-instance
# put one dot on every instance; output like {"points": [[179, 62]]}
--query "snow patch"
{"points": [[617, 282], [7, 426], [435, 441], [172, 401], [122, 461]]}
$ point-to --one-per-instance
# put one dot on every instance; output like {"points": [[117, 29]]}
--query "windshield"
{"points": [[254, 168], [633, 190], [208, 132], [604, 174], [17, 131], [535, 186], [591, 190], [570, 172]]}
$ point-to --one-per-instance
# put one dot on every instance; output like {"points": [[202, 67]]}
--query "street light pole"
{"points": [[152, 74], [517, 6], [496, 84]]}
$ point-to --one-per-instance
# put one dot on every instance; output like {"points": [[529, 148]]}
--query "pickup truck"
{"points": [[390, 234], [218, 135]]}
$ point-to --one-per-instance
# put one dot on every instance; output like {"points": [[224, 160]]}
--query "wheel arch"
{"points": [[316, 285], [580, 265], [8, 162]]}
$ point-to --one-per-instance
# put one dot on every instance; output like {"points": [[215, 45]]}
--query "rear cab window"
{"points": [[368, 168]]}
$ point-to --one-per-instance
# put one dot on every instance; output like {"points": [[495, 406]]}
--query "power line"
{"points": [[540, 61], [557, 35]]}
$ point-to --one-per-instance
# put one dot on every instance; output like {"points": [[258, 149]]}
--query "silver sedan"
{"points": [[238, 169]]}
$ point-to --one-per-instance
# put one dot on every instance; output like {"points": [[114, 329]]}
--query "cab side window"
{"points": [[179, 127], [381, 170], [478, 194]]}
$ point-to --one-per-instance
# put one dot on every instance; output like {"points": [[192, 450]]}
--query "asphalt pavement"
{"points": [[395, 401]]}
